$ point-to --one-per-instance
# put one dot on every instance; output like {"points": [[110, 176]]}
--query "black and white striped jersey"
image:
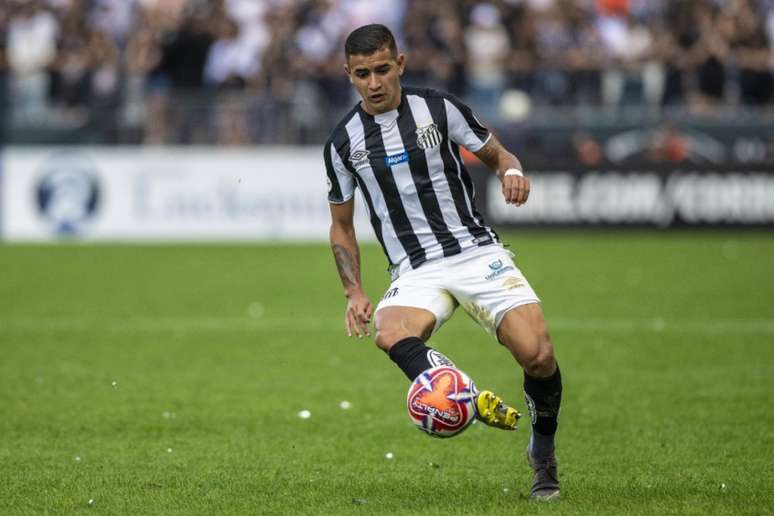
{"points": [[407, 164]]}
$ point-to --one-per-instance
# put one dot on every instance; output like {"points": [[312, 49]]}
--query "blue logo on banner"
{"points": [[68, 193], [396, 159]]}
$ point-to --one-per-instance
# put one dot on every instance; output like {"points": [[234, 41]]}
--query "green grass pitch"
{"points": [[169, 379]]}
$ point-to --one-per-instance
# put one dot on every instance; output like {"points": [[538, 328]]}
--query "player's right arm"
{"points": [[346, 252]]}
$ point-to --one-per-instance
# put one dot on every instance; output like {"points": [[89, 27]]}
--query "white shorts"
{"points": [[484, 280]]}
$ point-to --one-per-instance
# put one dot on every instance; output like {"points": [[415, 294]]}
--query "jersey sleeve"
{"points": [[341, 183], [464, 127]]}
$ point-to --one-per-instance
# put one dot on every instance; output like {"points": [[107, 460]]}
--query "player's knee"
{"points": [[388, 335], [540, 362]]}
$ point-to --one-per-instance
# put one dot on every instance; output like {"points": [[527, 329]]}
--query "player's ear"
{"points": [[401, 59], [346, 71]]}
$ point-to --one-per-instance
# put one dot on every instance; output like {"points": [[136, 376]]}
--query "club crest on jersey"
{"points": [[428, 136], [359, 158]]}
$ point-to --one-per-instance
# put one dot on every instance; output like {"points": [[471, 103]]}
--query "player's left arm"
{"points": [[508, 169]]}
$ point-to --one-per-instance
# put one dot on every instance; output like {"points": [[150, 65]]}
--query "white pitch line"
{"points": [[216, 324]]}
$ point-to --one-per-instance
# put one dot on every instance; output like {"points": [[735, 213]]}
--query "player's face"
{"points": [[376, 77]]}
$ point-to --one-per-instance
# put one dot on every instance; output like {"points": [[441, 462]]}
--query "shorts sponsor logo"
{"points": [[436, 358], [390, 293], [359, 158], [428, 136], [396, 159], [513, 283], [498, 268]]}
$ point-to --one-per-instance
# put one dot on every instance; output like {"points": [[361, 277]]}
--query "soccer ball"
{"points": [[442, 401]]}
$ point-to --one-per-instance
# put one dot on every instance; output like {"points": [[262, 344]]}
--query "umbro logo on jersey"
{"points": [[359, 158], [428, 136], [390, 293]]}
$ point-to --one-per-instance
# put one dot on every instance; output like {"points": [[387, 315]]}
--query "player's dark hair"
{"points": [[368, 39]]}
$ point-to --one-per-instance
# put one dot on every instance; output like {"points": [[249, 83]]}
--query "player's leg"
{"points": [[411, 310], [496, 294], [401, 331], [524, 332]]}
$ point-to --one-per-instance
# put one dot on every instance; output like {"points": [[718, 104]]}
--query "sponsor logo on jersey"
{"points": [[428, 136], [359, 158], [498, 269], [396, 159]]}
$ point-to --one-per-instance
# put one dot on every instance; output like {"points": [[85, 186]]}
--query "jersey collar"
{"points": [[387, 118]]}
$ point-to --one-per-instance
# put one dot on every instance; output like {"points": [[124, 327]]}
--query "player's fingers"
{"points": [[522, 192], [366, 318], [508, 190], [358, 323], [516, 190], [351, 324], [365, 312], [362, 328], [359, 326]]}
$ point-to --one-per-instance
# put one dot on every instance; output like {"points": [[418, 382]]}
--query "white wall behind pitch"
{"points": [[176, 194]]}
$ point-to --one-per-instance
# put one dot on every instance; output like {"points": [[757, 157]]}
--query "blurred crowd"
{"points": [[240, 71]]}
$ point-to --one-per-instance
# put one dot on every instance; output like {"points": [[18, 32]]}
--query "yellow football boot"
{"points": [[491, 410]]}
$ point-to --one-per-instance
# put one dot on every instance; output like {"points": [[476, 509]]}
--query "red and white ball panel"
{"points": [[442, 401]]}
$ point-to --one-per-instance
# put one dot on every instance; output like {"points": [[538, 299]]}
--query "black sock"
{"points": [[413, 357], [544, 396]]}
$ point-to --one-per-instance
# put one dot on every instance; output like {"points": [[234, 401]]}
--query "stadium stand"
{"points": [[237, 72]]}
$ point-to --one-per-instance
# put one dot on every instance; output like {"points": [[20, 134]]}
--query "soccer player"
{"points": [[400, 146]]}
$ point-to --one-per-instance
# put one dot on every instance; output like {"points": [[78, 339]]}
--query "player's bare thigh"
{"points": [[395, 323], [524, 332]]}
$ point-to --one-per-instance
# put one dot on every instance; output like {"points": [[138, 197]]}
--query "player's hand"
{"points": [[358, 315], [515, 189]]}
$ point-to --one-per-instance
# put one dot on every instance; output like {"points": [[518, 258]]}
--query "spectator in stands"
{"points": [[554, 40], [753, 55], [319, 37], [487, 48], [448, 68], [114, 18], [179, 73], [277, 75], [584, 58], [522, 62], [710, 54], [31, 48], [70, 72], [105, 87], [4, 77], [231, 62], [628, 44]]}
